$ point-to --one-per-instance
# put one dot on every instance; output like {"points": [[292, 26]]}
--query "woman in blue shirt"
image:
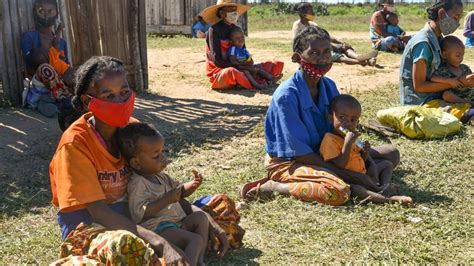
{"points": [[422, 56], [296, 121]]}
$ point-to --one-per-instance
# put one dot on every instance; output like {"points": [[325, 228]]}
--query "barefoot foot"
{"points": [[405, 200]]}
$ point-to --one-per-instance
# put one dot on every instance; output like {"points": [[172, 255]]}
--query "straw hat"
{"points": [[210, 13]]}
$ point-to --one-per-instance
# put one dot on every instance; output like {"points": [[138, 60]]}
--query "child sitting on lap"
{"points": [[339, 147], [156, 201], [241, 58], [46, 92], [392, 27], [450, 72]]}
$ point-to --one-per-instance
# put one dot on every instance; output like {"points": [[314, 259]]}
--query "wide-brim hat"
{"points": [[210, 13]]}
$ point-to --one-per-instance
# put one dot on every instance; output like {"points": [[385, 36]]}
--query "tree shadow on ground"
{"points": [[29, 141]]}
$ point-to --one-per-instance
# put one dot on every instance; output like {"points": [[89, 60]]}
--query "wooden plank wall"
{"points": [[109, 27], [106, 27], [16, 16], [177, 16]]}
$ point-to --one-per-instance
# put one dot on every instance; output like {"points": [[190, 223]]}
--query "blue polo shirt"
{"points": [[295, 125]]}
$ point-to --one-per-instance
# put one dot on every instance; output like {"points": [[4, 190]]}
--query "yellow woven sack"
{"points": [[419, 122]]}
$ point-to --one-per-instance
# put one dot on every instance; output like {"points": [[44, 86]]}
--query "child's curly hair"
{"points": [[307, 35], [346, 100], [450, 41], [301, 7], [128, 137]]}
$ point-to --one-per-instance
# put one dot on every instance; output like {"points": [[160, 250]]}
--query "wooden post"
{"points": [[11, 83], [67, 35], [133, 21], [142, 41]]}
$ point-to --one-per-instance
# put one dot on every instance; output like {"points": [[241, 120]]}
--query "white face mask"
{"points": [[390, 9], [232, 17]]}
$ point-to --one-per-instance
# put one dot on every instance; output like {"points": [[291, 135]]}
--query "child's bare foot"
{"points": [[367, 56], [372, 62], [405, 200]]}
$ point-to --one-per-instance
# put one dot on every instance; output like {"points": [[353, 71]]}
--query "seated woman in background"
{"points": [[423, 57], [47, 67], [383, 40], [221, 72]]}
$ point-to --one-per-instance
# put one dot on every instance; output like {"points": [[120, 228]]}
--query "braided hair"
{"points": [[445, 4], [92, 71], [307, 35]]}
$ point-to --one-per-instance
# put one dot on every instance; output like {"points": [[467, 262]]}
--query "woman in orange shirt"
{"points": [[88, 176]]}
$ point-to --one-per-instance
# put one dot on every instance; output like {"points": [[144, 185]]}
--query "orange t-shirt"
{"points": [[331, 147], [83, 171]]}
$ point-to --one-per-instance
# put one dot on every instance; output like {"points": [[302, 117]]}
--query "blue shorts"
{"points": [[387, 43], [165, 225]]}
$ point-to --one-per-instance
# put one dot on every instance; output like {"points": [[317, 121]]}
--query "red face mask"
{"points": [[315, 72], [113, 114]]}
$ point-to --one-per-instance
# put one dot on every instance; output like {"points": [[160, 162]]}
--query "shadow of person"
{"points": [[238, 90], [419, 196], [242, 256]]}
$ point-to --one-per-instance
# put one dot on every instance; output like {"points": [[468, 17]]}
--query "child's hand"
{"points": [[57, 34], [467, 80], [365, 150], [351, 137], [197, 179], [174, 195], [455, 83]]}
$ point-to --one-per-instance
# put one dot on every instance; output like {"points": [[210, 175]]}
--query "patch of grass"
{"points": [[178, 41], [436, 173], [343, 17]]}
